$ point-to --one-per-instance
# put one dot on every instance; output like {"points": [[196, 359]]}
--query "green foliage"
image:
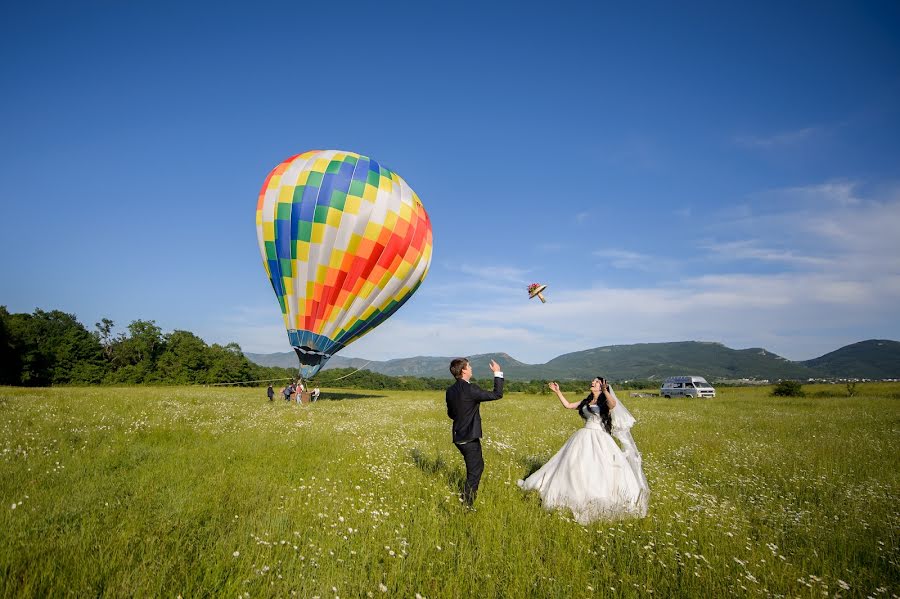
{"points": [[351, 378], [643, 365], [184, 360], [659, 360], [216, 492], [53, 348], [229, 364], [871, 359], [788, 389], [10, 353]]}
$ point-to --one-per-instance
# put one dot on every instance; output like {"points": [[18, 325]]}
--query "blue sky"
{"points": [[673, 171]]}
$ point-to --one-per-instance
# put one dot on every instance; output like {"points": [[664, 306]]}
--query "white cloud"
{"points": [[794, 315], [257, 329], [625, 259], [830, 227], [494, 273], [838, 193], [750, 249], [785, 138], [828, 274]]}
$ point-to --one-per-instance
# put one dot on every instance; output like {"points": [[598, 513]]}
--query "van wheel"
{"points": [[667, 396]]}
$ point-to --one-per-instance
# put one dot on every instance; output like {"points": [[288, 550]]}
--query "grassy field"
{"points": [[217, 492]]}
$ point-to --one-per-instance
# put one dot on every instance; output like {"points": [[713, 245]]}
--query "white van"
{"points": [[686, 386]]}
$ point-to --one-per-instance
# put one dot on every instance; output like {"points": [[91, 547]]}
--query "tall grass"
{"points": [[217, 492]]}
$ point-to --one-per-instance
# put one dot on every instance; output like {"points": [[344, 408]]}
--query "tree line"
{"points": [[366, 379], [52, 348]]}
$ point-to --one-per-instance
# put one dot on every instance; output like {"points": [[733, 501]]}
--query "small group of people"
{"points": [[293, 390], [593, 475]]}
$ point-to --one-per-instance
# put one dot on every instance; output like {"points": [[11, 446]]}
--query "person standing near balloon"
{"points": [[270, 392], [463, 403]]}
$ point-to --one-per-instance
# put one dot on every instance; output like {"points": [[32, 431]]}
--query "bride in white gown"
{"points": [[591, 474]]}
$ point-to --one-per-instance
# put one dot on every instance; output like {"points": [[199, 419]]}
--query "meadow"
{"points": [[209, 492]]}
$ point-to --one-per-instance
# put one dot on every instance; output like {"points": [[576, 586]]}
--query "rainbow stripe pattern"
{"points": [[345, 242]]}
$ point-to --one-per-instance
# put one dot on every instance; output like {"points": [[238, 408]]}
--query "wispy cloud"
{"points": [[832, 226], [751, 249], [837, 193], [833, 272], [624, 259], [495, 273], [739, 310], [784, 138], [828, 274]]}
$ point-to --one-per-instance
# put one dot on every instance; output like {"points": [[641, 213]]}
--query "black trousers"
{"points": [[471, 453]]}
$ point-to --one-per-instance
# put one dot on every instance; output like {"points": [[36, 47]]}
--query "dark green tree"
{"points": [[788, 389], [10, 352], [184, 360], [104, 335], [227, 364], [133, 356], [56, 349]]}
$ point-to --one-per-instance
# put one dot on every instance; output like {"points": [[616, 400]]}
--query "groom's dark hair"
{"points": [[457, 366]]}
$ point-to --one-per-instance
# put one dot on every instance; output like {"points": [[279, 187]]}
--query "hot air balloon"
{"points": [[345, 242]]}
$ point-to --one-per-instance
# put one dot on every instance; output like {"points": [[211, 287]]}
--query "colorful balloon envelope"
{"points": [[345, 242]]}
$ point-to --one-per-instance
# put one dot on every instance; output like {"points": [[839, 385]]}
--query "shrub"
{"points": [[788, 389]]}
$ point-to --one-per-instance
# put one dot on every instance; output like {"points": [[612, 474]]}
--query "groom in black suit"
{"points": [[463, 399]]}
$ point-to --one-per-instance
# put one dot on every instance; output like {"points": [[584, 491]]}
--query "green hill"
{"points": [[655, 361], [648, 361], [872, 359]]}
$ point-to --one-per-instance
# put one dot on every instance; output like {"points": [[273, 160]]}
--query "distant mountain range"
{"points": [[872, 359]]}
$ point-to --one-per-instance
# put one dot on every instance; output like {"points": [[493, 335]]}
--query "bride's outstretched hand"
{"points": [[554, 387]]}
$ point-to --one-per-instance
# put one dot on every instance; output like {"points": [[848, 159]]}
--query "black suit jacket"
{"points": [[463, 399]]}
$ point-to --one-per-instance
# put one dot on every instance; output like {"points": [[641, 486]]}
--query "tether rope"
{"points": [[284, 379]]}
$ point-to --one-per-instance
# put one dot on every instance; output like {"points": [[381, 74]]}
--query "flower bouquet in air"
{"points": [[537, 290]]}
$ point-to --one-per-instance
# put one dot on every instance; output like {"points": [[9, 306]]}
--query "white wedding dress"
{"points": [[592, 475]]}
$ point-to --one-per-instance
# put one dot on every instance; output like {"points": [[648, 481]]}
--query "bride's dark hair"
{"points": [[604, 409]]}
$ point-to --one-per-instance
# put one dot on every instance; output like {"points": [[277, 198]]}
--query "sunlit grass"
{"points": [[200, 491]]}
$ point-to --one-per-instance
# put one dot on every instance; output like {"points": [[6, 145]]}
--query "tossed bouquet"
{"points": [[537, 290]]}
